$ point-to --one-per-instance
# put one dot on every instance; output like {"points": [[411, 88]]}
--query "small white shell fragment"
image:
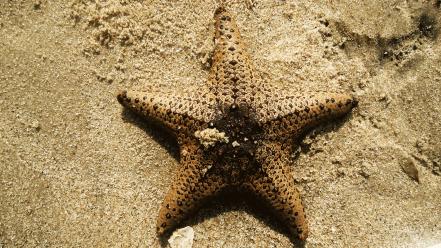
{"points": [[209, 136], [182, 238]]}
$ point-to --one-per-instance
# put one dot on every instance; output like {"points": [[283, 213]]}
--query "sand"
{"points": [[77, 171]]}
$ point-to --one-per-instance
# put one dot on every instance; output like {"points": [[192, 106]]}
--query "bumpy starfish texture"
{"points": [[235, 132]]}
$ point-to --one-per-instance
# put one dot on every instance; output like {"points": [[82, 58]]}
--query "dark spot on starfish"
{"points": [[307, 109]]}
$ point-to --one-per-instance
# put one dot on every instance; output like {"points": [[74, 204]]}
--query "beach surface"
{"points": [[78, 171]]}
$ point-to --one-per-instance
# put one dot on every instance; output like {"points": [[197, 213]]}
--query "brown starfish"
{"points": [[236, 131]]}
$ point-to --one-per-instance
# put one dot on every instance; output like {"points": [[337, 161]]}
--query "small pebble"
{"points": [[35, 125], [367, 169], [408, 166]]}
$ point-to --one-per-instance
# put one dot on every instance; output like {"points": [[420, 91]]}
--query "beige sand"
{"points": [[76, 172]]}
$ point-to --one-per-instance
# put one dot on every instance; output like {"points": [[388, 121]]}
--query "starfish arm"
{"points": [[232, 73], [288, 113], [193, 184], [274, 183], [181, 112]]}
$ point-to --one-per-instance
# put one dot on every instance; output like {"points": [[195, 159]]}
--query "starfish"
{"points": [[235, 132]]}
